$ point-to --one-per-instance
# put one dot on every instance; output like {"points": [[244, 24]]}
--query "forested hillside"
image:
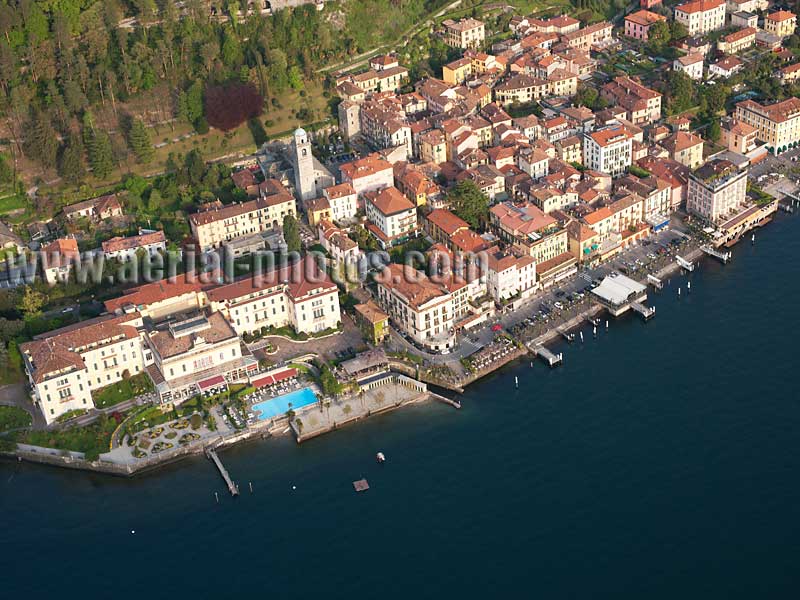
{"points": [[89, 87]]}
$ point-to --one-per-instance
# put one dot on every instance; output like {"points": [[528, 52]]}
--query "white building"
{"points": [[716, 190], [218, 224], [125, 248], [305, 186], [608, 150], [343, 201], [66, 365], [702, 16], [533, 161], [373, 172], [417, 306], [691, 64], [301, 296], [392, 217], [510, 276]]}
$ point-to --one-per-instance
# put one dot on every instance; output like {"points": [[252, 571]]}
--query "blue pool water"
{"points": [[278, 406]]}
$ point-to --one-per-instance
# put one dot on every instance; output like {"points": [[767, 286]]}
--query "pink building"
{"points": [[649, 3], [637, 25]]}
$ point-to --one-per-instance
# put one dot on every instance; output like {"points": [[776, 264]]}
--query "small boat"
{"points": [[380, 457]]}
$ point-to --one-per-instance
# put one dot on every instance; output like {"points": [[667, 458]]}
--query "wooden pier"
{"points": [[232, 487], [723, 256], [551, 358]]}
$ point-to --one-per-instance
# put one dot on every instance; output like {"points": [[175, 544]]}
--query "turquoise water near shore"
{"points": [[660, 461]]}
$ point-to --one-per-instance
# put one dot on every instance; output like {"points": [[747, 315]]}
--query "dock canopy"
{"points": [[616, 289]]}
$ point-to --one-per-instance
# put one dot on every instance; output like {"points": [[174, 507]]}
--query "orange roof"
{"points": [[364, 167], [701, 6], [389, 201], [595, 217], [606, 137], [644, 17], [781, 15], [448, 222], [340, 191]]}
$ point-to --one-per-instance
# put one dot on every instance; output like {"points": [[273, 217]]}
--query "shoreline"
{"points": [[62, 459]]}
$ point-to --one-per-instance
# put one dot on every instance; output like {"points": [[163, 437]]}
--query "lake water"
{"points": [[661, 461]]}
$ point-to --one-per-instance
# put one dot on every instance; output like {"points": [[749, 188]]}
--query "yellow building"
{"points": [[685, 148], [778, 124], [457, 71], [781, 23], [318, 209], [464, 33], [373, 322]]}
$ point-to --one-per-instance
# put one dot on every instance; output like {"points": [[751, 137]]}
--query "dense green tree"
{"points": [[71, 167], [101, 154], [469, 203], [714, 133], [40, 141], [291, 233], [139, 141], [680, 92]]}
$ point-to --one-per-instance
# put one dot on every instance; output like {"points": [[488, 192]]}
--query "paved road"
{"points": [[16, 394]]}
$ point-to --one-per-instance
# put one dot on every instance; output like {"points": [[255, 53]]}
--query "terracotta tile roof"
{"points": [[448, 222], [700, 6], [60, 350], [340, 191], [413, 285], [364, 167], [168, 344], [164, 289], [681, 140], [781, 15], [389, 201], [117, 244], [644, 18]]}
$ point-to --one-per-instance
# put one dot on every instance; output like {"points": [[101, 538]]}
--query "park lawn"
{"points": [[12, 417], [92, 439], [282, 120], [121, 391]]}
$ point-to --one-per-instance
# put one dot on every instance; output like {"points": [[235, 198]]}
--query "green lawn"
{"points": [[122, 390], [12, 202], [12, 417]]}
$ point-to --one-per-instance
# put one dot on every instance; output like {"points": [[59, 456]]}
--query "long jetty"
{"points": [[232, 487]]}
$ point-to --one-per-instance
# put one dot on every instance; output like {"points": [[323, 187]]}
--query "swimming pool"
{"points": [[280, 405]]}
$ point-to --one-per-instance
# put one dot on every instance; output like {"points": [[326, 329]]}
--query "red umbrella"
{"points": [[497, 327]]}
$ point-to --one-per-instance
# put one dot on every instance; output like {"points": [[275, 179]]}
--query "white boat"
{"points": [[381, 457]]}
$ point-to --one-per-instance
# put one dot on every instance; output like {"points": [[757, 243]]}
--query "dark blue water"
{"points": [[660, 462]]}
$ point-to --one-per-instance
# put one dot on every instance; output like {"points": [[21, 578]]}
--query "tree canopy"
{"points": [[469, 203]]}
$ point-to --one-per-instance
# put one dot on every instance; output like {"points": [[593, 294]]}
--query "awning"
{"points": [[272, 378], [204, 385]]}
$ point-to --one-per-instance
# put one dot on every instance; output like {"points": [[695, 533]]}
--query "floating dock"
{"points": [[361, 485], [232, 487], [684, 264], [648, 312], [551, 358], [723, 256]]}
